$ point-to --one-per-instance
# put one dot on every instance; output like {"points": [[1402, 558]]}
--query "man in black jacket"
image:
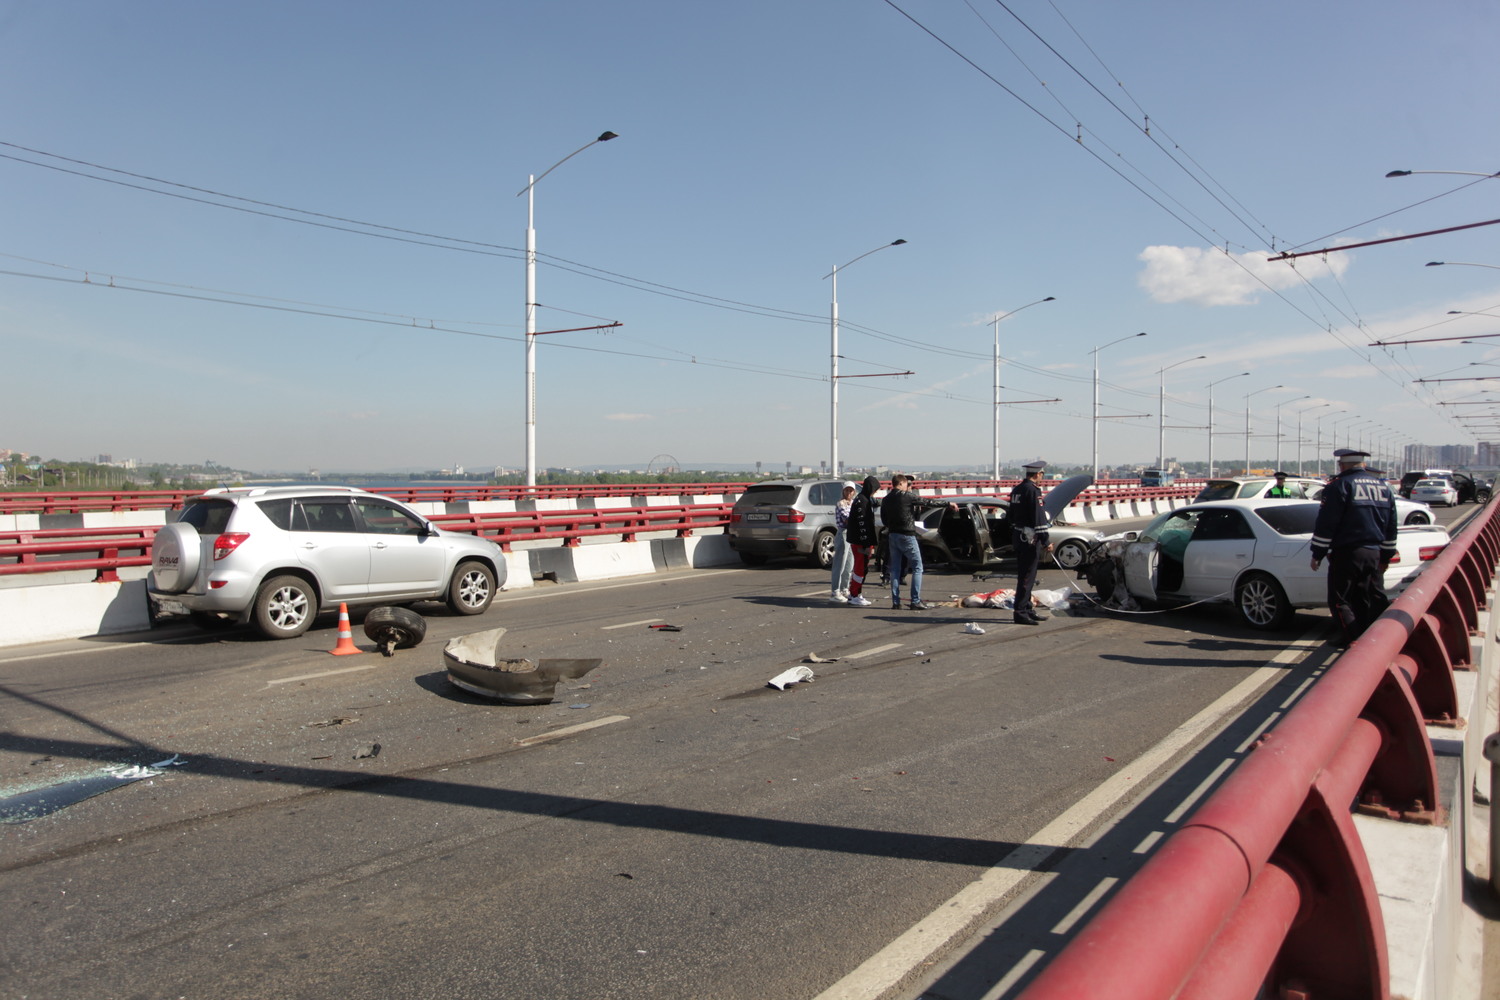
{"points": [[898, 512], [1028, 523], [1356, 530], [861, 536]]}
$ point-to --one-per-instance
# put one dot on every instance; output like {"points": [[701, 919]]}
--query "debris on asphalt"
{"points": [[29, 805], [973, 628], [793, 676], [337, 720], [395, 628], [666, 628], [815, 658], [368, 750], [474, 664], [581, 704]]}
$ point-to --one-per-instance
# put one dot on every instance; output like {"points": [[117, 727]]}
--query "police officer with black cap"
{"points": [[1028, 523], [1356, 531]]}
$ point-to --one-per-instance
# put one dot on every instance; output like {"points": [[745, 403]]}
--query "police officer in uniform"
{"points": [[1028, 524], [1356, 531], [1281, 490]]}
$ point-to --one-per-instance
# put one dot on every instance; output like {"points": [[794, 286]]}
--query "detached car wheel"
{"points": [[1262, 602], [285, 607], [1070, 554], [395, 628], [472, 589]]}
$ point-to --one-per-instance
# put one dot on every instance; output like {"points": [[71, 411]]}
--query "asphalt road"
{"points": [[669, 826]]}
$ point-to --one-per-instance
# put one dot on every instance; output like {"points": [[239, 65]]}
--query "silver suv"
{"points": [[784, 517], [279, 555]]}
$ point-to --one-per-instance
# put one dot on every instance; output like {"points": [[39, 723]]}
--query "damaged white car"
{"points": [[1254, 553]]}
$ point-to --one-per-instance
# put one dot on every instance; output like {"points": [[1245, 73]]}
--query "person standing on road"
{"points": [[1028, 524], [1281, 491], [898, 512], [1356, 531], [861, 536], [843, 560]]}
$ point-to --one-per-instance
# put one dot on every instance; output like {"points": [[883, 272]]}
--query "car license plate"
{"points": [[757, 517]]}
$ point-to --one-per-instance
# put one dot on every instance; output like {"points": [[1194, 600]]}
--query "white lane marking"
{"points": [[505, 596], [570, 730], [321, 673], [956, 916], [1148, 842], [1014, 975], [871, 651], [1197, 793], [643, 621], [813, 593], [1084, 905]]}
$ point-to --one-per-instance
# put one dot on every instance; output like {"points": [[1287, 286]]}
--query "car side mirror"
{"points": [[1131, 536]]}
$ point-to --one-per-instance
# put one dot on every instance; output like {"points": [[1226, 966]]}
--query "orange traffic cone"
{"points": [[346, 644]]}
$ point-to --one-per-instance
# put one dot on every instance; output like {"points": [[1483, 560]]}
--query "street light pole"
{"points": [[1257, 392], [833, 360], [996, 322], [1331, 413], [1161, 409], [1300, 449], [529, 192], [1211, 385], [1096, 394], [1279, 405]]}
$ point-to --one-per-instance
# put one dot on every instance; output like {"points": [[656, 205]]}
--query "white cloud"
{"points": [[1212, 277]]}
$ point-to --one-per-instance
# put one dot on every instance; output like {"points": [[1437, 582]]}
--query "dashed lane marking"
{"points": [[321, 673]]}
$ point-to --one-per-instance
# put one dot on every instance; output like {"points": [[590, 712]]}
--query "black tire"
{"points": [[1482, 497], [395, 628], [472, 588], [822, 550], [1070, 554], [285, 607], [752, 559], [1419, 517], [1262, 602]]}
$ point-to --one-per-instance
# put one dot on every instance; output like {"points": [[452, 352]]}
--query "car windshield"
{"points": [[1289, 519]]}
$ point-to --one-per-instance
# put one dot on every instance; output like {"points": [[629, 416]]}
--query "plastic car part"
{"points": [[284, 607], [472, 589], [175, 554], [474, 664], [395, 628], [1262, 602]]}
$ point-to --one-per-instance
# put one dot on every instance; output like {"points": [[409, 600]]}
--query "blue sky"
{"points": [[760, 145]]}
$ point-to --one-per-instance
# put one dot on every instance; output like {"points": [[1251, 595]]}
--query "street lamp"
{"points": [[529, 192], [1096, 394], [1161, 409], [1331, 413], [1257, 392], [996, 322], [1307, 409], [833, 360], [1279, 405], [1211, 385], [1465, 263]]}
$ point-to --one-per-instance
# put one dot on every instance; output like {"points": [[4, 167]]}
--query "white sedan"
{"points": [[1435, 491], [1254, 553]]}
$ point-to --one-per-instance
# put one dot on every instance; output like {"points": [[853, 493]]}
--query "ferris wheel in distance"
{"points": [[668, 464]]}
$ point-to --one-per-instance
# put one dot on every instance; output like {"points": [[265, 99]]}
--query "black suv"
{"points": [[1470, 489]]}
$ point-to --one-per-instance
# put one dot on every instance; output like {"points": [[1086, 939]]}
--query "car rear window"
{"points": [[210, 517], [782, 496], [1290, 518]]}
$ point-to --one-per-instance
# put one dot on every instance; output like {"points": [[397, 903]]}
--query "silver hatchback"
{"points": [[278, 556]]}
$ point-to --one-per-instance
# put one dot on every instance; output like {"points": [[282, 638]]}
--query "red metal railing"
{"points": [[1265, 890], [78, 502]]}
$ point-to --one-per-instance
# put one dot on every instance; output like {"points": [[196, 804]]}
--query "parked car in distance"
{"points": [[785, 517], [1471, 489], [1247, 487], [1254, 553], [279, 555], [1430, 491]]}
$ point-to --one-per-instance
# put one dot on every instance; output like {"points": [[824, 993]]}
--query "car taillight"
{"points": [[735, 518], [228, 542], [1428, 552], [792, 517]]}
